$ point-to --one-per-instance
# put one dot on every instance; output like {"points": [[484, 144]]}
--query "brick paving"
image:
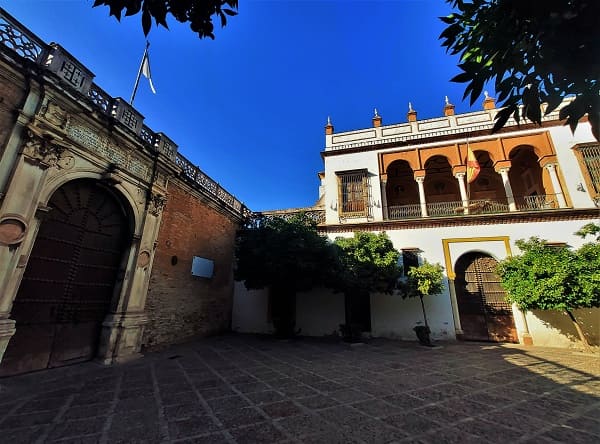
{"points": [[245, 389]]}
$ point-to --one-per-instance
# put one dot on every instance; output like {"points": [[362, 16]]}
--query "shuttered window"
{"points": [[353, 193], [589, 160]]}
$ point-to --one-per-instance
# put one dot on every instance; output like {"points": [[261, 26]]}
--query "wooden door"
{"points": [[69, 281]]}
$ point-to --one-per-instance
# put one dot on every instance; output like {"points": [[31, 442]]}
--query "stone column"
{"points": [[463, 191], [383, 181], [525, 335], [18, 222], [512, 206], [457, 326], [551, 168], [420, 180], [123, 329]]}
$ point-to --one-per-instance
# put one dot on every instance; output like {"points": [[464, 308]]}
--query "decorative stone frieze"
{"points": [[157, 204], [102, 145], [45, 153]]}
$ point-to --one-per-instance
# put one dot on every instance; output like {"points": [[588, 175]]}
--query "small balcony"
{"points": [[477, 206]]}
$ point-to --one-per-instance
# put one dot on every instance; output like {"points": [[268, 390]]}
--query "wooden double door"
{"points": [[69, 282], [485, 315]]}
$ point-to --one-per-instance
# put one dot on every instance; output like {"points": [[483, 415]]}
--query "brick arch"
{"points": [[411, 157], [449, 152], [493, 148], [540, 143]]}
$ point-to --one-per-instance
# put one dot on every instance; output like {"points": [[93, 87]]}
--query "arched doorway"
{"points": [[69, 282], [485, 315]]}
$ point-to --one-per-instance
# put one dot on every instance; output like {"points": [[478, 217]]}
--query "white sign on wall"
{"points": [[202, 267]]}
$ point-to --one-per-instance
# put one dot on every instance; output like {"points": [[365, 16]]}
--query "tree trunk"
{"points": [[582, 337], [423, 307]]}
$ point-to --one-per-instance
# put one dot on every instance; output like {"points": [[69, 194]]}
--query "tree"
{"points": [[550, 277], [424, 280], [367, 262], [286, 256], [535, 52], [199, 13]]}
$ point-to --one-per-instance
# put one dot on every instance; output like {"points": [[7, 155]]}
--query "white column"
{"points": [[455, 314], [526, 338], [420, 181], [512, 206], [551, 167], [384, 205], [463, 191]]}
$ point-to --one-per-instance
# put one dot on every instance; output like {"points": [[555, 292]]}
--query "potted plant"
{"points": [[424, 280]]}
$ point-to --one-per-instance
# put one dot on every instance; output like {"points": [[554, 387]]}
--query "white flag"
{"points": [[146, 70]]}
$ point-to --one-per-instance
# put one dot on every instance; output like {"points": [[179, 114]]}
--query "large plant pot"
{"points": [[423, 335]]}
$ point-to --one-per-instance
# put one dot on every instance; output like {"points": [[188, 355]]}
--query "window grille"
{"points": [[589, 156], [410, 259], [353, 189]]}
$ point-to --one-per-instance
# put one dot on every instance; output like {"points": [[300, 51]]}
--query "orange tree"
{"points": [[285, 255], [549, 277]]}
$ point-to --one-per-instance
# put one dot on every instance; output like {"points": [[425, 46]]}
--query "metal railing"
{"points": [[317, 215], [539, 202], [404, 211], [473, 207], [18, 39]]}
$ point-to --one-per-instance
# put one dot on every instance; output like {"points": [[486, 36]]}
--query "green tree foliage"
{"points": [[534, 51], [424, 280], [368, 263], [285, 255], [198, 13], [590, 229], [549, 277], [283, 252]]}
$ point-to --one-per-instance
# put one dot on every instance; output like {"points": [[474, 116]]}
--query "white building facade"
{"points": [[409, 180]]}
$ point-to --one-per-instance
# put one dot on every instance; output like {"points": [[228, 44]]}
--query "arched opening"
{"points": [[402, 192], [527, 181], [70, 280], [485, 315], [441, 187], [488, 184]]}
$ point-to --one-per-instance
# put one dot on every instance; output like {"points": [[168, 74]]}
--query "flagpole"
{"points": [[139, 74], [468, 183]]}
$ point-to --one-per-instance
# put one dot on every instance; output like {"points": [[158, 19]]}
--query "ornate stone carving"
{"points": [[56, 116], [157, 204], [42, 150]]}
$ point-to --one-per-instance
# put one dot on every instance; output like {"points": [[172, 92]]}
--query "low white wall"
{"points": [[394, 317], [250, 310], [552, 328]]}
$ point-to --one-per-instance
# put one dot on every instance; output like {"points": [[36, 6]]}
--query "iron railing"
{"points": [[21, 41], [538, 202], [404, 211], [477, 206]]}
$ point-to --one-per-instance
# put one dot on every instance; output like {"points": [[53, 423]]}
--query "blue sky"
{"points": [[249, 107]]}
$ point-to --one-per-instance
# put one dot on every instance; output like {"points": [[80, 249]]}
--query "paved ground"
{"points": [[245, 389]]}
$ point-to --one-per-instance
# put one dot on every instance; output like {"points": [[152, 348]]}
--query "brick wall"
{"points": [[11, 97], [180, 305]]}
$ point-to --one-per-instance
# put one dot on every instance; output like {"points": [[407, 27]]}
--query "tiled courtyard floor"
{"points": [[246, 389]]}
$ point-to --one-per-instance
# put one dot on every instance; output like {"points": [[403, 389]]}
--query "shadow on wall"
{"points": [[588, 319]]}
